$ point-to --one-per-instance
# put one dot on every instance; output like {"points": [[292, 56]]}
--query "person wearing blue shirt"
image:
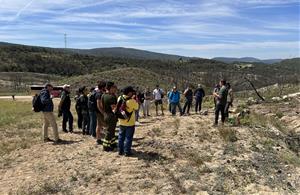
{"points": [[174, 99]]}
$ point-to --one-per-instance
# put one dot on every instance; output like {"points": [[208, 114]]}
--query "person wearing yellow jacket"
{"points": [[127, 126]]}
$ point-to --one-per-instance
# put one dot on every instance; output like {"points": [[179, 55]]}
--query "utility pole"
{"points": [[65, 40]]}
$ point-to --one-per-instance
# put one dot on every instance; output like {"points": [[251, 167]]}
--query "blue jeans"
{"points": [[93, 123], [126, 134], [173, 108]]}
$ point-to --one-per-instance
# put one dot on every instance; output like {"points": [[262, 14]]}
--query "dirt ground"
{"points": [[172, 155]]}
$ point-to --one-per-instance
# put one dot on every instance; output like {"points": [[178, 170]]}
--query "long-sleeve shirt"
{"points": [[47, 101]]}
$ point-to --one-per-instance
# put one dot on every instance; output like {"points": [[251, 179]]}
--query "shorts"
{"points": [[100, 119], [157, 102]]}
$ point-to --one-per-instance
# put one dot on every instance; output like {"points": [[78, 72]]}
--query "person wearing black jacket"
{"points": [[78, 111], [83, 104], [64, 109], [188, 93], [199, 95]]}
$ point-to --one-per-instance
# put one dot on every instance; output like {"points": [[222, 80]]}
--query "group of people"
{"points": [[99, 109]]}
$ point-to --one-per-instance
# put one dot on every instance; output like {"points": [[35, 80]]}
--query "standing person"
{"points": [[64, 109], [221, 98], [99, 111], [49, 118], [78, 111], [229, 100], [109, 103], [174, 98], [92, 106], [199, 95], [147, 99], [141, 99], [188, 93], [158, 95], [127, 126], [83, 101], [137, 112], [216, 90]]}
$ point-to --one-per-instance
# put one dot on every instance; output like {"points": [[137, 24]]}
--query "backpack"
{"points": [[37, 104], [161, 94], [92, 102], [121, 111]]}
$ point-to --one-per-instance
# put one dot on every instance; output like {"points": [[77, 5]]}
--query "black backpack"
{"points": [[121, 111], [37, 104], [161, 94], [92, 102]]}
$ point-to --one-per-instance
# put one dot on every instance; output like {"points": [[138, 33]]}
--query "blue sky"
{"points": [[202, 28]]}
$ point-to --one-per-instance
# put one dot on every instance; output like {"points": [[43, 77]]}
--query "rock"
{"points": [[228, 161], [276, 98], [279, 171]]}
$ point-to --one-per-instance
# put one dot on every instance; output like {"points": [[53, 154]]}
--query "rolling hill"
{"points": [[75, 64]]}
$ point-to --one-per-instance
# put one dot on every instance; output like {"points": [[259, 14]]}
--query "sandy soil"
{"points": [[172, 155]]}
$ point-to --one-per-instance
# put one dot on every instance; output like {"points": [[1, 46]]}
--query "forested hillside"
{"points": [[20, 58]]}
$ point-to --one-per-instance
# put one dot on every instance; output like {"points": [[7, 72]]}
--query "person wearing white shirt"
{"points": [[158, 95]]}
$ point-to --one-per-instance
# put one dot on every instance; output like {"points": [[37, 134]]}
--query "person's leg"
{"points": [[110, 139], [173, 109], [53, 124], [223, 113], [79, 120], [93, 125], [217, 113], [200, 104], [45, 126], [144, 108], [180, 108], [185, 106], [122, 133], [100, 124], [162, 107], [70, 121], [197, 105], [156, 107], [128, 139], [64, 121], [189, 106], [226, 112]]}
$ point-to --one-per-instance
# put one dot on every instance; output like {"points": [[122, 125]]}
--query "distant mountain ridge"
{"points": [[120, 52], [128, 53], [247, 59]]}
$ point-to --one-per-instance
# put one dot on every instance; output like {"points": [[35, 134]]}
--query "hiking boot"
{"points": [[128, 154], [59, 141], [121, 153], [65, 131], [107, 149], [99, 142], [48, 139], [215, 124], [71, 131]]}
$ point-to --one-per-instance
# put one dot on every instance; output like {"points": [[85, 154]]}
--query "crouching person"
{"points": [[49, 118], [126, 107]]}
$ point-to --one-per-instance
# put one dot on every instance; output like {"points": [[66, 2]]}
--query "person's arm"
{"points": [[100, 105], [63, 98]]}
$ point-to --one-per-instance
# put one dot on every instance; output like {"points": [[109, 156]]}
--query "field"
{"points": [[173, 155]]}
